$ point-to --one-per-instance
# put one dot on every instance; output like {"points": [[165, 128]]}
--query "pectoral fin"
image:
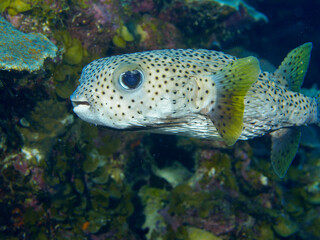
{"points": [[285, 143], [233, 83]]}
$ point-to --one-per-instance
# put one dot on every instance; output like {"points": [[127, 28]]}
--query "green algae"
{"points": [[153, 200], [101, 175], [183, 197], [122, 37], [313, 227], [119, 42], [81, 3], [220, 167], [311, 192], [285, 227], [15, 6], [87, 180], [64, 89], [265, 232], [4, 5], [200, 234], [92, 162], [97, 221], [79, 186], [74, 52]]}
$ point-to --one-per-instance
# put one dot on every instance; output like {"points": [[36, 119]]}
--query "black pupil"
{"points": [[131, 79]]}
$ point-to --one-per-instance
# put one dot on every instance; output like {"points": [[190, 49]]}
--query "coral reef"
{"points": [[61, 178], [211, 23], [21, 51]]}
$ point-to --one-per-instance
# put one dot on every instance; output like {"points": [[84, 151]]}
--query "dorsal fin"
{"points": [[293, 68], [233, 83]]}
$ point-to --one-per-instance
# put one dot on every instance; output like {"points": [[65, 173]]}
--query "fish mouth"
{"points": [[77, 103], [80, 106], [84, 110]]}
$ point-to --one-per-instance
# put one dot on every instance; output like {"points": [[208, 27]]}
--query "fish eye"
{"points": [[130, 80]]}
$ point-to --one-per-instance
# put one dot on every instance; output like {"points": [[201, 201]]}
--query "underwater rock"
{"points": [[209, 23], [174, 174], [153, 33], [236, 4], [70, 180], [47, 121], [21, 51], [313, 192], [96, 25]]}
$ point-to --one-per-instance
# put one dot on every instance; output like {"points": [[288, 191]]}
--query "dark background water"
{"points": [[291, 23]]}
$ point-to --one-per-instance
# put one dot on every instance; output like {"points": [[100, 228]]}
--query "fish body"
{"points": [[200, 93]]}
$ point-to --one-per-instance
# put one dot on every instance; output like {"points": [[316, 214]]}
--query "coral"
{"points": [[207, 23], [154, 33], [21, 51], [251, 11], [96, 26], [62, 178]]}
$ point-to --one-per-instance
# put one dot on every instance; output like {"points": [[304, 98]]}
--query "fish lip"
{"points": [[81, 107], [77, 103]]}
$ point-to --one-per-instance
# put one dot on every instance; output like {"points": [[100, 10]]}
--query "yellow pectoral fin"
{"points": [[233, 83]]}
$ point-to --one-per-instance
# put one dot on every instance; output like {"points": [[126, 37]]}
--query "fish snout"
{"points": [[76, 103], [78, 100], [83, 108]]}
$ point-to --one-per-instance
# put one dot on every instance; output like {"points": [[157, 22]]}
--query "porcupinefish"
{"points": [[201, 93]]}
